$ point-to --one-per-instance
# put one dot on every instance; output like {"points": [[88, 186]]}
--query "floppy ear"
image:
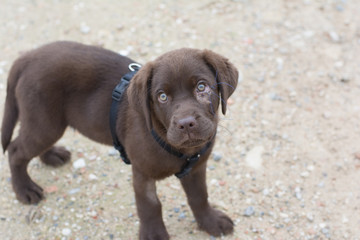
{"points": [[138, 92], [226, 75]]}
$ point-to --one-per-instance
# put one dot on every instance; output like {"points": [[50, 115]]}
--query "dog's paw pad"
{"points": [[56, 156]]}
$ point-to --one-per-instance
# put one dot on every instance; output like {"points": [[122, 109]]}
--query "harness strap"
{"points": [[116, 98]]}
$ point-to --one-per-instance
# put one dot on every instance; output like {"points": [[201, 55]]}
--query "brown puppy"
{"points": [[177, 95]]}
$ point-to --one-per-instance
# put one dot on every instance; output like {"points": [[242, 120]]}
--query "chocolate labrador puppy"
{"points": [[168, 111]]}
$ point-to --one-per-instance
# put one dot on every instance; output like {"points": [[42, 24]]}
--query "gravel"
{"points": [[286, 160]]}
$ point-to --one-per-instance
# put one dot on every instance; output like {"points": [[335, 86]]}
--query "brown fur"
{"points": [[69, 84]]}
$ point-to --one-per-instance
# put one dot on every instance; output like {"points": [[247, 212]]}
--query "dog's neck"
{"points": [[189, 160]]}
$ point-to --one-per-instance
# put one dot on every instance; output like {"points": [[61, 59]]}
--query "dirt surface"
{"points": [[287, 158]]}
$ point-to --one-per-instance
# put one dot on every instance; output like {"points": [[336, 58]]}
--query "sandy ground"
{"points": [[287, 158]]}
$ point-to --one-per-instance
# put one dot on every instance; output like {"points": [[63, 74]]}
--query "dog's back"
{"points": [[62, 68]]}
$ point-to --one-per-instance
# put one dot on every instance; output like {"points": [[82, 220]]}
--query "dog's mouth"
{"points": [[189, 143]]}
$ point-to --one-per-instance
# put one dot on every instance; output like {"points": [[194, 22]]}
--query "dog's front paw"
{"points": [[216, 223], [153, 233]]}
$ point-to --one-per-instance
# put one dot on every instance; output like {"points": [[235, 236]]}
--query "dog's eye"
{"points": [[163, 97], [201, 87]]}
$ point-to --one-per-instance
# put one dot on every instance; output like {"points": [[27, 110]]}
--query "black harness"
{"points": [[116, 99]]}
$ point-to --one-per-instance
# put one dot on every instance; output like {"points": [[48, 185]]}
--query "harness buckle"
{"points": [[134, 67], [194, 158], [119, 89]]}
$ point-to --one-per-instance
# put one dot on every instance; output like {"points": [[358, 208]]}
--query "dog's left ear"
{"points": [[226, 73]]}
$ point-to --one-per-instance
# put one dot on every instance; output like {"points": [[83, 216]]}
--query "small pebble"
{"points": [[73, 191], [292, 96], [305, 174], [326, 232], [51, 189], [357, 155], [339, 7], [92, 177], [254, 157], [280, 64], [310, 168], [113, 152], [345, 79], [275, 97], [261, 78], [321, 184], [265, 192], [211, 167], [120, 27], [217, 156], [310, 217], [182, 215], [298, 194], [66, 231], [339, 64], [80, 163], [249, 211], [334, 36], [326, 115], [85, 29]]}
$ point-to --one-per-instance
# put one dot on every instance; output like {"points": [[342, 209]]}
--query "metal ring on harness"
{"points": [[134, 66]]}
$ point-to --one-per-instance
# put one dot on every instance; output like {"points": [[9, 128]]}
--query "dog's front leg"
{"points": [[148, 208], [213, 221]]}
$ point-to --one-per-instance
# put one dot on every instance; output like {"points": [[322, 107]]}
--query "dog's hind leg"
{"points": [[25, 189], [39, 130], [21, 151]]}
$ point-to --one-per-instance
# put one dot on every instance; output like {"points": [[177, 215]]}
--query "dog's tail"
{"points": [[11, 111]]}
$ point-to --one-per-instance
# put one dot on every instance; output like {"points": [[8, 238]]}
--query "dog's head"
{"points": [[180, 92]]}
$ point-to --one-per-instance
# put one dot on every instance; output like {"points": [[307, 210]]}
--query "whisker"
{"points": [[222, 100], [213, 86], [228, 131]]}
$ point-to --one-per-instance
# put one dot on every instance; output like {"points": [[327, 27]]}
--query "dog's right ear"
{"points": [[139, 92]]}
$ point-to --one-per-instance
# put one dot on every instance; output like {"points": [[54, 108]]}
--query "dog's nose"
{"points": [[186, 123]]}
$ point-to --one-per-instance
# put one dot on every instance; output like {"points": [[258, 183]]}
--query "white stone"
{"points": [[80, 163], [253, 157], [305, 174], [84, 28], [66, 231], [92, 177], [334, 36]]}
